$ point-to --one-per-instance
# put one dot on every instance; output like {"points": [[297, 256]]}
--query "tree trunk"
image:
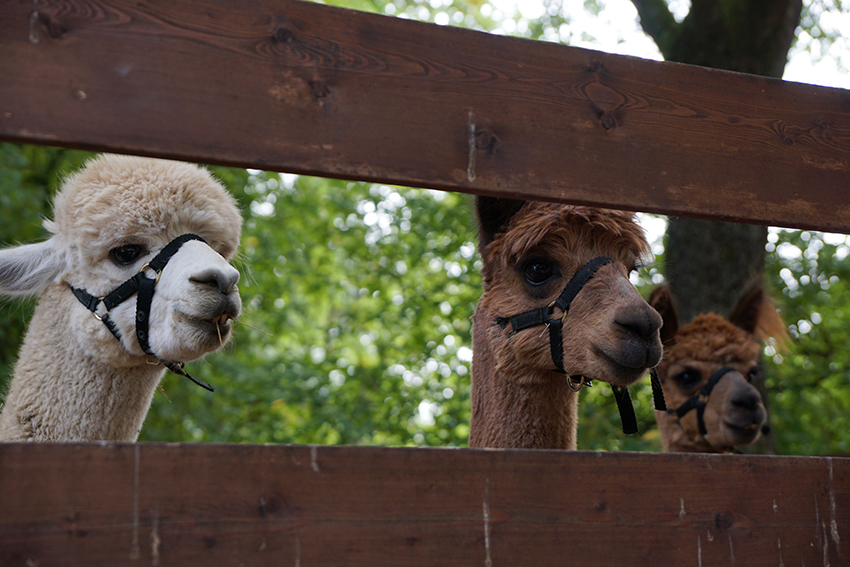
{"points": [[709, 262]]}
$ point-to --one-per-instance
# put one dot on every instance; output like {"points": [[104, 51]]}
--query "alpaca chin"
{"points": [[740, 436], [723, 437], [190, 337], [626, 362], [742, 427]]}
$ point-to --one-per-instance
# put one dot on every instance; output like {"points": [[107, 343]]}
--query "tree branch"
{"points": [[658, 22]]}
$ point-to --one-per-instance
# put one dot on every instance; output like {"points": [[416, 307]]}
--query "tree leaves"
{"points": [[364, 294]]}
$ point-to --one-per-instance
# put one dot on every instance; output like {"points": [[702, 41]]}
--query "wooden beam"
{"points": [[299, 505], [300, 87]]}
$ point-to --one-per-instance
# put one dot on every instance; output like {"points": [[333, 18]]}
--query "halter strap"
{"points": [[144, 286], [542, 315]]}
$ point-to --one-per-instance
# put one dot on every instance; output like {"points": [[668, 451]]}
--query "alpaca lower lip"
{"points": [[744, 434], [222, 323], [219, 325], [633, 358], [752, 426], [622, 374], [220, 320]]}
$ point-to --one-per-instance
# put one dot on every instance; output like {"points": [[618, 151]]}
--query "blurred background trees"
{"points": [[358, 297]]}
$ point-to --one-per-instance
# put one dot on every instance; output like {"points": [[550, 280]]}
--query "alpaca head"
{"points": [[110, 219], [530, 250], [734, 413]]}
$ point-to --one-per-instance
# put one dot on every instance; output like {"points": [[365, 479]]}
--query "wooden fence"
{"points": [[291, 86]]}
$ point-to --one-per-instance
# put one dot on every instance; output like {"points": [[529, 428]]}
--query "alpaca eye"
{"points": [[537, 272], [688, 380], [751, 375], [126, 254]]}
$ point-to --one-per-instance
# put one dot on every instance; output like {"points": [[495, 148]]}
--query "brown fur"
{"points": [[735, 412], [517, 398]]}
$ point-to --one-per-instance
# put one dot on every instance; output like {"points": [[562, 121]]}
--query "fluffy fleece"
{"points": [[73, 379]]}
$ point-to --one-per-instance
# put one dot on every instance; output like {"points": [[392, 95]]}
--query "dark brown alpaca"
{"points": [[530, 251], [733, 413]]}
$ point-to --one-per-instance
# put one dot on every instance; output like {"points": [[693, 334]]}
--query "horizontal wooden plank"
{"points": [[155, 504], [299, 87]]}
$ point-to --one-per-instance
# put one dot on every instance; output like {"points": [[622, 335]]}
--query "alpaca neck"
{"points": [[67, 388], [522, 412]]}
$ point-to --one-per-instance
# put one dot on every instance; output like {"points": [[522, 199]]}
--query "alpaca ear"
{"points": [[493, 214], [662, 301], [747, 312], [30, 268]]}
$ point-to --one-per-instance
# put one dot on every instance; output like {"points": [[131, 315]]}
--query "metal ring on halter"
{"points": [[158, 273], [581, 383], [96, 316]]}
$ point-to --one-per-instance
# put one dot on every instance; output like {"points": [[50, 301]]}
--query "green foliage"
{"points": [[27, 176], [359, 299], [810, 384]]}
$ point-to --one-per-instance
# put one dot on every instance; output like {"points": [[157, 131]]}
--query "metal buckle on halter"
{"points": [[551, 307], [96, 316], [582, 382], [157, 272]]}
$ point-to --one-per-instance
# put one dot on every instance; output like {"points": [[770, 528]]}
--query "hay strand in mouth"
{"points": [[218, 330], [252, 327]]}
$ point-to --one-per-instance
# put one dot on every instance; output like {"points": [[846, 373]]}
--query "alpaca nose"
{"points": [[641, 321], [746, 401], [223, 281]]}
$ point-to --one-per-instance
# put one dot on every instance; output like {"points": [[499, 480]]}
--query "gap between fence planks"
{"points": [[292, 86], [217, 505]]}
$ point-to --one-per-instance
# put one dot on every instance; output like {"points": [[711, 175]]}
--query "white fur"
{"points": [[73, 379]]}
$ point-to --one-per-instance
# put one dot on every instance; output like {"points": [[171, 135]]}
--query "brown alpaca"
{"points": [[713, 347], [530, 250]]}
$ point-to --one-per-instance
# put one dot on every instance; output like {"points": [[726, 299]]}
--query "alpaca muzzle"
{"points": [[143, 286], [543, 316]]}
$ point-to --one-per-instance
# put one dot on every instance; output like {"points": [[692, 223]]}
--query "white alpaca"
{"points": [[75, 380]]}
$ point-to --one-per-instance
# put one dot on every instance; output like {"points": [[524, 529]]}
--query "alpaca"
{"points": [[708, 365], [87, 369], [521, 397]]}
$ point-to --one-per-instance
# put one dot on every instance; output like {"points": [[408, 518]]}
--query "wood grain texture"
{"points": [[299, 87], [299, 505]]}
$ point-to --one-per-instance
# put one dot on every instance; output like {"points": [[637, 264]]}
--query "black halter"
{"points": [[144, 286], [699, 400], [543, 316]]}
